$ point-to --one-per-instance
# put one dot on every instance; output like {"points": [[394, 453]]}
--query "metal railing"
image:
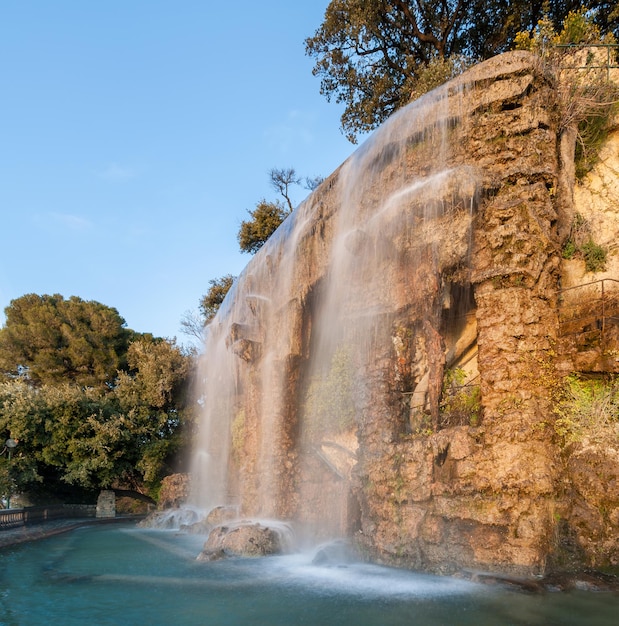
{"points": [[591, 311], [15, 518], [611, 49]]}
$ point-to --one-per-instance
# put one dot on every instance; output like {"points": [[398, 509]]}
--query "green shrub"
{"points": [[587, 98], [461, 402], [569, 249], [587, 408], [595, 256], [581, 244]]}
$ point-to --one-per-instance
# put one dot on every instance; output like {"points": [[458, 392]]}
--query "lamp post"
{"points": [[9, 445]]}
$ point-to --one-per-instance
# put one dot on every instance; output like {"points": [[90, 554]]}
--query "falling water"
{"points": [[286, 377]]}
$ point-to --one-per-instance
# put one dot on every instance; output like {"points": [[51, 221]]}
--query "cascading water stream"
{"points": [[285, 373]]}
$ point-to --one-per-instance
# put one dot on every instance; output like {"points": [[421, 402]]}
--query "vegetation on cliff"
{"points": [[329, 402], [581, 52], [268, 215], [587, 408], [371, 56], [581, 244]]}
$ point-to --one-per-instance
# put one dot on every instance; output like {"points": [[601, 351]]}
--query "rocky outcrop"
{"points": [[174, 491], [436, 249], [246, 539]]}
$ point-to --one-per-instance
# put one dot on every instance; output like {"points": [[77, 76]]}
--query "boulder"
{"points": [[248, 539], [174, 491]]}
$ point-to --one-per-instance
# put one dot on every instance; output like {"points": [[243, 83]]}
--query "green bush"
{"points": [[587, 408], [461, 402], [595, 256], [581, 244], [569, 249], [588, 100]]}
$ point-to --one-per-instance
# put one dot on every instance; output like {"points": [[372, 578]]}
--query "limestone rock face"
{"points": [[591, 515], [436, 247]]}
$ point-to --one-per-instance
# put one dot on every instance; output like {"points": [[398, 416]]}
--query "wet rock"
{"points": [[221, 514], [335, 553], [174, 491], [217, 516], [243, 539], [430, 237], [174, 518], [197, 528]]}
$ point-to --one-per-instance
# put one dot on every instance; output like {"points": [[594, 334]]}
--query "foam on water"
{"points": [[108, 575]]}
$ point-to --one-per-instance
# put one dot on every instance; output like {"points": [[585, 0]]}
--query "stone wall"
{"points": [[106, 503], [483, 495]]}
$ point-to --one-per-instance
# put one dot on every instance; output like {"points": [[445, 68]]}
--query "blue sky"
{"points": [[135, 135]]}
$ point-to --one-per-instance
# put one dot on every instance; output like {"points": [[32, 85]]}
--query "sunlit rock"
{"points": [[384, 367]]}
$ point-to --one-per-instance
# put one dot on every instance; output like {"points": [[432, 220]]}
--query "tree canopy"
{"points": [[371, 54], [267, 216], [100, 406], [58, 340], [210, 303], [265, 220]]}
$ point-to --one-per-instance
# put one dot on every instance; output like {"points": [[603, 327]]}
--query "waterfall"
{"points": [[295, 363]]}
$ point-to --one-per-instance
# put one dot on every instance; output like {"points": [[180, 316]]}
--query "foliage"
{"points": [[439, 71], [587, 98], [210, 303], [63, 340], [594, 126], [281, 181], [313, 183], [265, 219], [159, 373], [595, 256], [329, 403], [267, 216], [581, 244], [121, 433], [587, 408], [569, 250], [371, 55], [461, 402], [578, 27]]}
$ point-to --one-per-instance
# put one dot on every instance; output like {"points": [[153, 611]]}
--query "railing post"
{"points": [[603, 312]]}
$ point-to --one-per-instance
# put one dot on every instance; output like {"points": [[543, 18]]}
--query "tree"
{"points": [[194, 323], [265, 220], [313, 183], [63, 340], [95, 405], [267, 216], [587, 99], [210, 303], [93, 438], [155, 399], [281, 180], [372, 55]]}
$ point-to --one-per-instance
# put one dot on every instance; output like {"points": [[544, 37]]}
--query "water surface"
{"points": [[129, 576]]}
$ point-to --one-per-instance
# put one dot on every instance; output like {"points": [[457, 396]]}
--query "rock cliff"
{"points": [[384, 367]]}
